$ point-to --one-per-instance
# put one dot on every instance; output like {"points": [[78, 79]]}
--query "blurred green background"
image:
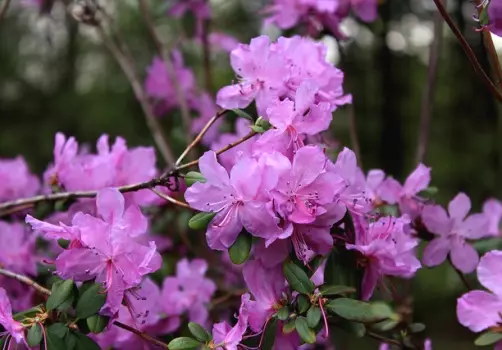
{"points": [[55, 75]]}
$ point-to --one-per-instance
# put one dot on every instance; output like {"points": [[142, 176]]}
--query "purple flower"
{"points": [[492, 209], [452, 231], [387, 249], [479, 310], [13, 328], [16, 181], [206, 109], [266, 285], [227, 337], [427, 345], [495, 15], [188, 292], [20, 255], [200, 8], [21, 295], [237, 199]]}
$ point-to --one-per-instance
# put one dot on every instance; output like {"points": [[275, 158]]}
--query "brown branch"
{"points": [[467, 49], [3, 8], [164, 54], [353, 134], [126, 64], [430, 89], [29, 282], [170, 199]]}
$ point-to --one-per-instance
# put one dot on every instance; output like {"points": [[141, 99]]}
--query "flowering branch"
{"points": [[430, 88], [170, 199], [141, 334], [3, 8], [470, 54]]}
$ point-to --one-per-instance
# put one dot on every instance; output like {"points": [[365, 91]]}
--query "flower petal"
{"points": [[490, 271], [417, 181], [436, 220], [110, 204], [459, 206], [479, 310], [436, 251], [463, 256]]}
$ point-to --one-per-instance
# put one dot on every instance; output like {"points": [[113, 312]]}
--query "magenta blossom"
{"points": [[200, 8], [387, 249], [495, 16], [21, 295], [452, 231], [266, 285], [236, 198], [20, 256], [479, 310], [427, 345], [227, 337], [16, 181], [492, 209], [392, 192], [13, 329], [188, 292]]}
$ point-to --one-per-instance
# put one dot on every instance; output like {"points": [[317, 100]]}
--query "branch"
{"points": [[170, 199], [29, 282], [430, 89], [3, 8], [460, 275], [470, 54], [126, 64], [164, 54]]}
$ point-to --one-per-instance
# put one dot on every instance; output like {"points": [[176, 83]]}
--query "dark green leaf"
{"points": [[336, 290], [90, 301], [359, 311], [243, 114], [303, 303], [416, 327], [313, 316], [61, 292], [54, 342], [200, 221], [303, 329], [199, 332], [488, 338], [34, 335], [239, 251], [385, 326], [298, 279], [58, 329], [83, 342], [355, 328], [484, 19], [315, 263], [70, 341], [183, 343], [63, 243], [30, 313], [97, 323], [192, 177], [269, 337], [342, 269], [2, 342], [83, 327], [283, 313], [289, 326]]}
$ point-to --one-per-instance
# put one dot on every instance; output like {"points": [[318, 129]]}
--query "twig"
{"points": [[461, 275], [199, 136], [470, 54], [29, 282], [430, 89], [170, 199], [383, 339], [353, 134], [3, 8], [164, 54], [127, 66]]}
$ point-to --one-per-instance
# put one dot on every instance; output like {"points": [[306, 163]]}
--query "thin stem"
{"points": [[170, 199], [383, 339], [126, 64], [460, 275], [199, 137], [141, 334], [353, 134], [3, 8], [430, 89], [470, 54], [164, 54]]}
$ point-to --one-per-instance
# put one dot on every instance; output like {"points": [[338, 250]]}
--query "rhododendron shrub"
{"points": [[283, 241]]}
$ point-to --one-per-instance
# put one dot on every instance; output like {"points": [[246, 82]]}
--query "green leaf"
{"points": [[488, 338], [192, 177], [34, 335], [358, 311], [83, 342], [315, 264], [58, 329], [183, 343], [63, 243], [484, 19], [385, 326], [239, 251], [243, 114], [289, 327], [97, 323], [303, 303], [2, 342], [70, 341], [336, 290], [200, 221], [416, 327], [283, 313], [298, 279], [83, 327], [313, 316], [54, 342], [90, 301], [30, 313], [261, 125], [269, 337], [303, 329], [199, 332], [355, 328], [60, 293]]}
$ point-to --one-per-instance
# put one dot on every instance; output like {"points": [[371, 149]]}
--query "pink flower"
{"points": [[188, 292], [16, 181], [452, 232], [20, 255], [495, 15], [237, 199], [388, 249], [21, 295], [427, 345], [13, 328], [479, 310], [266, 285], [492, 209], [392, 192], [200, 8], [227, 337], [206, 108], [223, 41]]}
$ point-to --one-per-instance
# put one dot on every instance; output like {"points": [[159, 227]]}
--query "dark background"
{"points": [[55, 75]]}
